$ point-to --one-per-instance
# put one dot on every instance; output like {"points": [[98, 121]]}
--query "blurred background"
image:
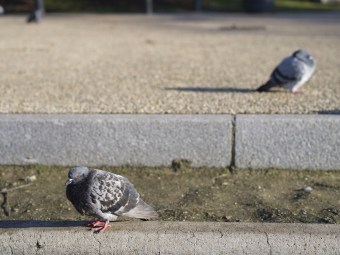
{"points": [[12, 6]]}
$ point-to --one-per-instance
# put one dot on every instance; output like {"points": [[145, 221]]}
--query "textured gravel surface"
{"points": [[181, 63]]}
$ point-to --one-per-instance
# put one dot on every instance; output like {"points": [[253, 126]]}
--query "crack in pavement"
{"points": [[10, 245], [269, 245], [100, 244]]}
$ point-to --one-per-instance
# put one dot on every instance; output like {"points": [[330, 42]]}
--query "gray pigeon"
{"points": [[292, 72], [37, 13], [105, 196]]}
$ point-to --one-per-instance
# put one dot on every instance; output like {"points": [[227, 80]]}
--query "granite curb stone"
{"points": [[288, 141], [241, 141], [93, 140]]}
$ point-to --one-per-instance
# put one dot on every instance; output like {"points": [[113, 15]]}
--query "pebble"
{"points": [[15, 209], [307, 189], [30, 178]]}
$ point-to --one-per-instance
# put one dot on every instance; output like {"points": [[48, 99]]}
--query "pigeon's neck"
{"points": [[304, 60]]}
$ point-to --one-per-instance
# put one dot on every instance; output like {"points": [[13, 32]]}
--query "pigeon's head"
{"points": [[304, 56], [77, 174]]}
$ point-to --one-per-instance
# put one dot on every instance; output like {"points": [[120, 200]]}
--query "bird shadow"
{"points": [[337, 112], [40, 224], [212, 90]]}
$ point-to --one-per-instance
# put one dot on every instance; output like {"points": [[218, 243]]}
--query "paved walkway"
{"points": [[182, 63]]}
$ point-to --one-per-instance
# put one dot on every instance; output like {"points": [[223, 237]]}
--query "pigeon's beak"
{"points": [[68, 182]]}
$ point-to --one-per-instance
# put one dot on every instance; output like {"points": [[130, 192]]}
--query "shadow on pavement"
{"points": [[329, 112], [212, 90], [40, 224]]}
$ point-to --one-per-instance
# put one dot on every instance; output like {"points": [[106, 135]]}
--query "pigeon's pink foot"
{"points": [[295, 92], [101, 228], [96, 223]]}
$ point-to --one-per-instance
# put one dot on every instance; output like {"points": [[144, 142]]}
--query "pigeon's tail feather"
{"points": [[267, 86], [142, 211]]}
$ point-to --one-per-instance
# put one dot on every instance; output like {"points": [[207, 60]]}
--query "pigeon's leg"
{"points": [[94, 224], [296, 91], [101, 228]]}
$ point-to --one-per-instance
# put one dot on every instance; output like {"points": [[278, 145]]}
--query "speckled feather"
{"points": [[106, 195]]}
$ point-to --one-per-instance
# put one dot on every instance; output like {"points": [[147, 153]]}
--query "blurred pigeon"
{"points": [[2, 10], [37, 13], [292, 72], [105, 196]]}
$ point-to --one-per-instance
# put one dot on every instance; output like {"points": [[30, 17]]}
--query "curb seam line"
{"points": [[233, 141]]}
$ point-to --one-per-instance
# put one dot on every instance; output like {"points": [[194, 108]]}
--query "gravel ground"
{"points": [[182, 63]]}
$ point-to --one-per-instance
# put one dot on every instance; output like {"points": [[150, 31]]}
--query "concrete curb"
{"points": [[288, 141], [244, 141], [93, 140], [173, 238]]}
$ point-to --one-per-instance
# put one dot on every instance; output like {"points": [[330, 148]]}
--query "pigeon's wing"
{"points": [[135, 207], [112, 193], [129, 198], [289, 71]]}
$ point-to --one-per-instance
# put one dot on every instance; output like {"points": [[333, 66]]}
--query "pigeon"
{"points": [[105, 196], [37, 13], [292, 72]]}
